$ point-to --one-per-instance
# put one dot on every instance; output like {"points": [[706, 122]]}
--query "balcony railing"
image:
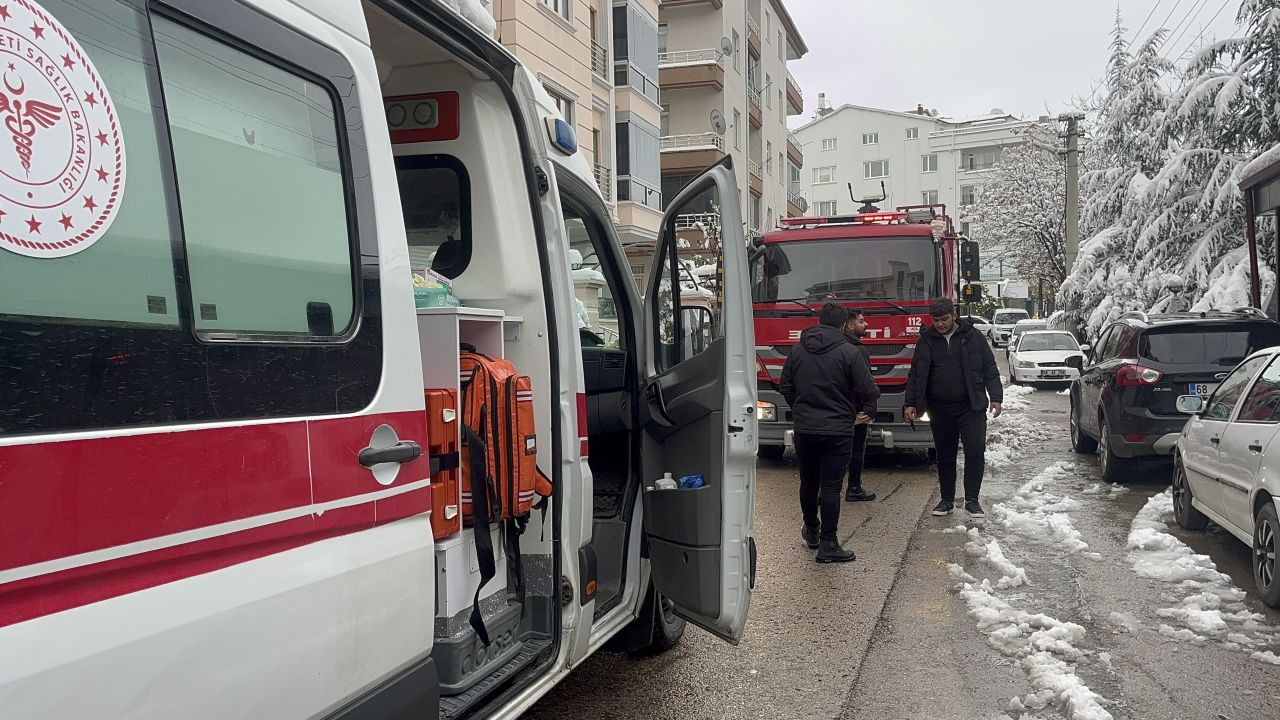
{"points": [[753, 27], [604, 178], [753, 92], [791, 81], [793, 197], [709, 56], [696, 141], [755, 168], [599, 60], [690, 221]]}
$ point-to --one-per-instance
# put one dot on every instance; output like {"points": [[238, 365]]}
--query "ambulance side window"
{"points": [[435, 193], [264, 211], [688, 320], [231, 267]]}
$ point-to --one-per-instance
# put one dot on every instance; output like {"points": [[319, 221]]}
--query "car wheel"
{"points": [[1183, 511], [668, 627], [1080, 442], [772, 453], [1266, 534], [1114, 467]]}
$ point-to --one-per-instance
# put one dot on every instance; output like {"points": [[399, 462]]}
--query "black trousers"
{"points": [[823, 459], [951, 426], [857, 458]]}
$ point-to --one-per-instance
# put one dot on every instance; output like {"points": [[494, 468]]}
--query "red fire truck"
{"points": [[889, 265]]}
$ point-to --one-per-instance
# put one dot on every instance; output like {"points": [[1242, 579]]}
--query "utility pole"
{"points": [[1073, 186]]}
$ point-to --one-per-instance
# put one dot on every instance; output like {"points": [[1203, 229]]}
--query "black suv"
{"points": [[1123, 404]]}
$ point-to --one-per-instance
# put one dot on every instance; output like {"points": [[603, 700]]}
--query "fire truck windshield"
{"points": [[849, 269]]}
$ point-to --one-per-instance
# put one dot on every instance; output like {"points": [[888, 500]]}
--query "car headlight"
{"points": [[766, 411], [1026, 365]]}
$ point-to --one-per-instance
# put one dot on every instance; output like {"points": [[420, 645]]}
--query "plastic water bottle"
{"points": [[666, 483]]}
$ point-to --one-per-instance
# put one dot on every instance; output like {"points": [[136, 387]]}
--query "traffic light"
{"points": [[970, 265], [972, 293]]}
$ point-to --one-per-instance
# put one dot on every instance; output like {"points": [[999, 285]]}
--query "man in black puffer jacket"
{"points": [[953, 377], [827, 384]]}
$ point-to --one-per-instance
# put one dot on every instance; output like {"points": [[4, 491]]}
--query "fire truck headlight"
{"points": [[767, 411]]}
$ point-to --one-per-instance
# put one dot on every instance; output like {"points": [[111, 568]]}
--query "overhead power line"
{"points": [[1138, 32]]}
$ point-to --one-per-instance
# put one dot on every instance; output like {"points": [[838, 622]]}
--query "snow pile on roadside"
{"points": [[1017, 397], [1210, 606], [1046, 648], [1008, 438], [1037, 514], [1011, 575]]}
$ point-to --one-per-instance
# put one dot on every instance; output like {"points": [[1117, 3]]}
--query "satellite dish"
{"points": [[718, 124], [802, 204], [726, 46]]}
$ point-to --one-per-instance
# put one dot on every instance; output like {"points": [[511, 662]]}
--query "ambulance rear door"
{"points": [[698, 410]]}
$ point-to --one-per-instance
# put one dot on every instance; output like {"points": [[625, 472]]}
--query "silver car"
{"points": [[1002, 323]]}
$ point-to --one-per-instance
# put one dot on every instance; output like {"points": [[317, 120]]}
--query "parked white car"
{"points": [[981, 324], [1044, 356], [1002, 323], [1221, 471], [1019, 328]]}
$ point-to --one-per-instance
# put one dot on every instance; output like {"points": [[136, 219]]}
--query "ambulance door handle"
{"points": [[402, 452]]}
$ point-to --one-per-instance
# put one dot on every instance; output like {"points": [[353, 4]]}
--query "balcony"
{"points": [[754, 111], [681, 3], [794, 153], [754, 167], [753, 34], [795, 98], [795, 204], [600, 61], [689, 221], [690, 69], [604, 178], [756, 178], [690, 153]]}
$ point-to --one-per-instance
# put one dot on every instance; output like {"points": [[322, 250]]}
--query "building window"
{"points": [[875, 169], [737, 56], [929, 197], [753, 221], [638, 169], [737, 129], [782, 109], [793, 177], [768, 217], [828, 144], [964, 230], [563, 104], [968, 194], [983, 160], [782, 49], [768, 99], [559, 7], [825, 208], [929, 163], [913, 133], [768, 23], [666, 119], [781, 162], [824, 175], [635, 50], [871, 138], [768, 158]]}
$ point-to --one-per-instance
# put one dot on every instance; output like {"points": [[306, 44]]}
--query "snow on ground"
{"points": [[1011, 575], [1208, 604], [1125, 620], [1045, 647], [1039, 515]]}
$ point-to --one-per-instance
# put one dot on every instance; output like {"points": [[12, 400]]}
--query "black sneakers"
{"points": [[859, 495], [810, 536], [943, 508], [831, 552], [974, 509]]}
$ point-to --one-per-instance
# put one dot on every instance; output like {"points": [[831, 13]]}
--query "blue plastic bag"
{"points": [[691, 482]]}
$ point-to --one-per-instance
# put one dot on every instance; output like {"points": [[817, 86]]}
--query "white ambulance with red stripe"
{"points": [[222, 494]]}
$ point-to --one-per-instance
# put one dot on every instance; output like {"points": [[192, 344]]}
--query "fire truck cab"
{"points": [[889, 265], [218, 493]]}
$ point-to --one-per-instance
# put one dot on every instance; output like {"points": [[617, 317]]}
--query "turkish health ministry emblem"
{"points": [[61, 149]]}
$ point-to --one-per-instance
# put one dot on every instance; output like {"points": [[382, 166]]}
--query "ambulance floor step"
{"points": [[457, 705]]}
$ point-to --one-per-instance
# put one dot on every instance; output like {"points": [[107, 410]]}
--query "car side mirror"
{"points": [[1190, 404], [1076, 362], [1085, 348]]}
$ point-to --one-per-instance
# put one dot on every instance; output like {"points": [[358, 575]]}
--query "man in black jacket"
{"points": [[855, 330], [953, 377], [827, 384]]}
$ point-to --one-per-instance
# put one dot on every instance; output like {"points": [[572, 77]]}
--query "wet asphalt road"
{"points": [[889, 637]]}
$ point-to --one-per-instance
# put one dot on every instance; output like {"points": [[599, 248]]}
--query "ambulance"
{"points": [[227, 489]]}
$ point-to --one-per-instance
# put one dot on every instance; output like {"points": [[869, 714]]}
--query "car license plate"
{"points": [[1201, 389], [1053, 373]]}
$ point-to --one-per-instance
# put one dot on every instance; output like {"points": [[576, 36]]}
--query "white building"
{"points": [[920, 157]]}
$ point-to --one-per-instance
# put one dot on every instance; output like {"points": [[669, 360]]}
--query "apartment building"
{"points": [[599, 60], [918, 156], [726, 90]]}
